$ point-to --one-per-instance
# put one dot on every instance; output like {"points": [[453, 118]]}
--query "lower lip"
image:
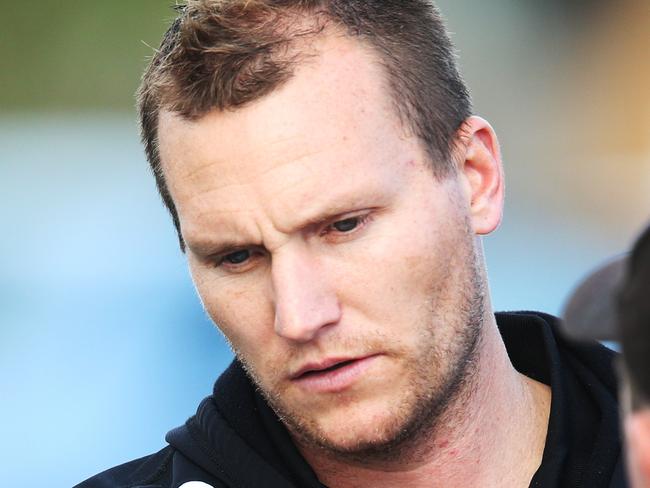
{"points": [[336, 380]]}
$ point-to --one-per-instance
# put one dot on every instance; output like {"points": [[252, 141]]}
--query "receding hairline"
{"points": [[303, 49], [307, 50], [294, 24]]}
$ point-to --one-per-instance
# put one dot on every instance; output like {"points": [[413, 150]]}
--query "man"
{"points": [[329, 186], [612, 304]]}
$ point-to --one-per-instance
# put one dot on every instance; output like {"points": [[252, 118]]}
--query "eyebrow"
{"points": [[215, 245]]}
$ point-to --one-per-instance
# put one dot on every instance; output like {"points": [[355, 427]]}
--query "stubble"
{"points": [[441, 377]]}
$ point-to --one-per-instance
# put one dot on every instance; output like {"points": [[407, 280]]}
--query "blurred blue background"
{"points": [[103, 343]]}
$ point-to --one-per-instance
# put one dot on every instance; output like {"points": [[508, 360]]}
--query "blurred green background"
{"points": [[76, 55], [103, 344]]}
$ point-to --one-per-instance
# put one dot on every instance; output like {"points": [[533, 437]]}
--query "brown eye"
{"points": [[346, 225], [237, 257]]}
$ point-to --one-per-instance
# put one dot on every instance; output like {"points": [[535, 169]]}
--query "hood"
{"points": [[236, 438]]}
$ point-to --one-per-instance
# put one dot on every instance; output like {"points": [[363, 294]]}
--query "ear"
{"points": [[637, 432], [478, 157]]}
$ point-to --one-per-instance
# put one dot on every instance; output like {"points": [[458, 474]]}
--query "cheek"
{"points": [[395, 274], [240, 309]]}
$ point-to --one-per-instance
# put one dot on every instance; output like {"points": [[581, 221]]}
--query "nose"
{"points": [[305, 303]]}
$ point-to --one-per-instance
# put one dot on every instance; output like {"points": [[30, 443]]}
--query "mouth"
{"points": [[332, 375]]}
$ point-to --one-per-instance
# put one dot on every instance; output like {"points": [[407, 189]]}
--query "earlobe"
{"points": [[479, 159]]}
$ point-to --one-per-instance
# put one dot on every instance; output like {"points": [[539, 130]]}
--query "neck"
{"points": [[492, 435]]}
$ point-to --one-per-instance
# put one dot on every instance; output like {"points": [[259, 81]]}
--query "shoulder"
{"points": [[527, 324], [151, 471], [534, 339], [168, 468]]}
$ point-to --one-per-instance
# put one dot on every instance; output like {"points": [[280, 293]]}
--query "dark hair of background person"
{"points": [[634, 322], [225, 54]]}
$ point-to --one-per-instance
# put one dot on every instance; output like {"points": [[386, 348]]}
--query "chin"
{"points": [[366, 431], [358, 430]]}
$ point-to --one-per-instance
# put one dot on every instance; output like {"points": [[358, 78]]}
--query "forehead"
{"points": [[329, 130]]}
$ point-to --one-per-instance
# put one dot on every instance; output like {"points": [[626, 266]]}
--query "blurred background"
{"points": [[104, 346]]}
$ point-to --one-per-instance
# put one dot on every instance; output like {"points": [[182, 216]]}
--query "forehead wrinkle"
{"points": [[214, 227], [203, 161], [305, 200], [203, 201], [213, 230], [238, 179], [328, 205]]}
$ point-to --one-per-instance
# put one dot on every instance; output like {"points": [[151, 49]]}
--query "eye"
{"points": [[240, 260], [347, 225], [237, 257]]}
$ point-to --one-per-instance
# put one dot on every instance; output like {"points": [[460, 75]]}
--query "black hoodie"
{"points": [[235, 440]]}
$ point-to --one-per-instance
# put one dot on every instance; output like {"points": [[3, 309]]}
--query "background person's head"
{"points": [[613, 303], [634, 323], [224, 55]]}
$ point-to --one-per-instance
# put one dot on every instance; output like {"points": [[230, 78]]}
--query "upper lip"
{"points": [[324, 364]]}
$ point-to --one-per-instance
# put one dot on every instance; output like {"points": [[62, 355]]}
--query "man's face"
{"points": [[341, 271]]}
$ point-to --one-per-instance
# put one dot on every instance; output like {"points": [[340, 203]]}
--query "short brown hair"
{"points": [[223, 54]]}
